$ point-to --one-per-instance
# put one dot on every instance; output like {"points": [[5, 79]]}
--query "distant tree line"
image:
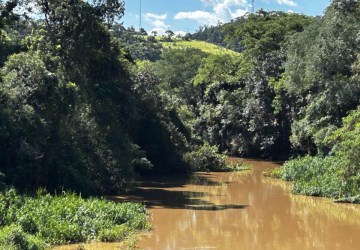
{"points": [[217, 34]]}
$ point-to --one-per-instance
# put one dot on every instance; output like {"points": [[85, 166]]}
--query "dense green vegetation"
{"points": [[34, 223], [137, 43], [75, 112], [335, 175], [321, 81], [217, 35], [235, 106], [88, 105], [285, 95]]}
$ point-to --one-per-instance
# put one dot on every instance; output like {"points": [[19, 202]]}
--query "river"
{"points": [[241, 210]]}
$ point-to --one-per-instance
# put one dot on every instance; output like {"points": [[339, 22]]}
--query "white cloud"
{"points": [[159, 24], [152, 16], [159, 31], [157, 21], [223, 11], [287, 2], [226, 2], [202, 17], [239, 12]]}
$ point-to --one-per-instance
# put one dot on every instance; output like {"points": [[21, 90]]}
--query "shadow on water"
{"points": [[171, 181], [159, 193], [156, 197]]}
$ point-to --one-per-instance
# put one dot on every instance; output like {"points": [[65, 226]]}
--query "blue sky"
{"points": [[183, 16]]}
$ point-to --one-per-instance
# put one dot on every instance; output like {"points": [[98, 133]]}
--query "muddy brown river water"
{"points": [[241, 210]]}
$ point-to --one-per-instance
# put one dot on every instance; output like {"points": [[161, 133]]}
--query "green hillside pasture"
{"points": [[204, 46]]}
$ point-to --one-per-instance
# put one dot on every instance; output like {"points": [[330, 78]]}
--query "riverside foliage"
{"points": [[43, 220], [88, 105], [74, 111], [284, 96], [336, 175], [77, 114]]}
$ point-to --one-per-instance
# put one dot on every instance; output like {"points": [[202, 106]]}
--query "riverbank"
{"points": [[320, 176], [45, 220]]}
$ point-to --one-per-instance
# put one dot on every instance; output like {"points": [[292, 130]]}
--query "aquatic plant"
{"points": [[66, 218]]}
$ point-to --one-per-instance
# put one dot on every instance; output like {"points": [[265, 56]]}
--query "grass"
{"points": [[44, 220], [204, 46], [319, 176], [336, 175]]}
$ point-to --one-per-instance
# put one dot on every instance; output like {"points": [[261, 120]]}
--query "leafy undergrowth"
{"points": [[38, 222], [319, 176], [336, 175]]}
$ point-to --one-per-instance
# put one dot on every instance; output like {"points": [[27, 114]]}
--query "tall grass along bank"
{"points": [[44, 220]]}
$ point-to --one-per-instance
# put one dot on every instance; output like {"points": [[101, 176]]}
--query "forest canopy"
{"points": [[90, 105]]}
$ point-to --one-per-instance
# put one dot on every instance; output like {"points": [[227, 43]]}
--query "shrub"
{"points": [[205, 158], [336, 175], [113, 234], [295, 169], [14, 238], [69, 218], [317, 176]]}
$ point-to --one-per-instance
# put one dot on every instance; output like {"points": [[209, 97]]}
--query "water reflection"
{"points": [[268, 218], [172, 193], [242, 210]]}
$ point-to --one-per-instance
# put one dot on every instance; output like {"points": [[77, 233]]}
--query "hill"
{"points": [[202, 45]]}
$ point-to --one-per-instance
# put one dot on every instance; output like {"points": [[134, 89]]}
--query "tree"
{"points": [[159, 130], [318, 75], [143, 32], [74, 113], [7, 14], [169, 34], [139, 47], [218, 68], [237, 109], [67, 118], [176, 70]]}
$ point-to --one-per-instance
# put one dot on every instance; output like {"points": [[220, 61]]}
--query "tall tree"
{"points": [[318, 75]]}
